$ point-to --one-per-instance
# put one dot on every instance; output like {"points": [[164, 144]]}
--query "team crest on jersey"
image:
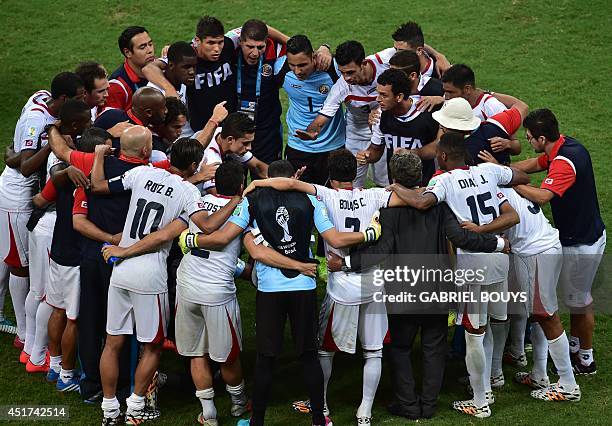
{"points": [[237, 211], [324, 89], [548, 181], [282, 218], [266, 70]]}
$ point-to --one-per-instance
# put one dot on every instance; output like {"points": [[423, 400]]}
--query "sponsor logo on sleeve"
{"points": [[548, 181]]}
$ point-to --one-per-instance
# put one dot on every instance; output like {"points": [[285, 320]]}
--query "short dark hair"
{"points": [[72, 110], [92, 137], [185, 152], [453, 144], [125, 38], [299, 44], [459, 75], [342, 165], [542, 122], [180, 50], [228, 177], [89, 71], [237, 124], [281, 168], [397, 80], [65, 84], [411, 33], [350, 51], [175, 108], [406, 169], [406, 61], [254, 29], [209, 26]]}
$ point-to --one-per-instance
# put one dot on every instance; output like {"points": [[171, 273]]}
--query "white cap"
{"points": [[457, 114]]}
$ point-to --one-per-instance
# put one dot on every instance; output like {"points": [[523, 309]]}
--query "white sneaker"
{"points": [[525, 378], [468, 407], [557, 392], [364, 421], [207, 422], [497, 381]]}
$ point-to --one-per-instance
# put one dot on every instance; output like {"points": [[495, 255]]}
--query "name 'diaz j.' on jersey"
{"points": [[473, 194]]}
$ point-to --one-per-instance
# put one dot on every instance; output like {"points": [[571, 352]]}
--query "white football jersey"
{"points": [[533, 234], [487, 106], [47, 221], [359, 100], [17, 190], [213, 154], [158, 197], [350, 210], [473, 194], [206, 277]]}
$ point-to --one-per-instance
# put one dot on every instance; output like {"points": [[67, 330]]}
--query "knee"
{"points": [[372, 354]]}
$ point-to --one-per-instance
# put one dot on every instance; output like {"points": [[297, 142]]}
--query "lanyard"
{"points": [[257, 84]]}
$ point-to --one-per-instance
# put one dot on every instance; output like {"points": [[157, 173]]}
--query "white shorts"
{"points": [[64, 289], [340, 325], [14, 238], [538, 276], [213, 330], [148, 312], [379, 169], [580, 265], [40, 247], [476, 314]]}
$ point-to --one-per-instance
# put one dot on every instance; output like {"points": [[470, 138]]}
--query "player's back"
{"points": [[207, 276], [473, 194], [350, 210], [158, 197], [533, 234]]}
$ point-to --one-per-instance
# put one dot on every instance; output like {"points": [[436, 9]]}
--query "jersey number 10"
{"points": [[143, 210]]}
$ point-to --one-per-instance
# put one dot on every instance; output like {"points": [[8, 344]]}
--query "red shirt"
{"points": [[561, 170]]}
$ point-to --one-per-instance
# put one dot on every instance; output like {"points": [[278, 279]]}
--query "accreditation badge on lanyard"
{"points": [[249, 107]]}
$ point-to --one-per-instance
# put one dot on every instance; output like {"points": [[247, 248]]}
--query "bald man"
{"points": [[100, 219], [148, 109]]}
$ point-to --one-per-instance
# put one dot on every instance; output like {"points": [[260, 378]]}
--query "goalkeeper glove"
{"points": [[187, 241], [372, 232]]}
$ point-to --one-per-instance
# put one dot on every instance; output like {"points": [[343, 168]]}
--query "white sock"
{"points": [[19, 287], [66, 375], [237, 394], [559, 352], [488, 351], [574, 344], [31, 306], [4, 275], [371, 376], [41, 338], [209, 411], [518, 324], [540, 352], [135, 402], [326, 359], [110, 406], [586, 356], [475, 362], [500, 333], [55, 363]]}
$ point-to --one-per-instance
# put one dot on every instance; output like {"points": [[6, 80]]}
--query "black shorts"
{"points": [[272, 309], [316, 164]]}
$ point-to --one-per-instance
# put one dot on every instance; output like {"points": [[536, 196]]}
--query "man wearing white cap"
{"points": [[492, 135]]}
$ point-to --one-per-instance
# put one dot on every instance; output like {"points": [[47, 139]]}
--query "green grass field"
{"points": [[550, 54]]}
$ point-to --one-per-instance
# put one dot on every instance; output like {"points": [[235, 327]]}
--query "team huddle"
{"points": [[126, 215]]}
